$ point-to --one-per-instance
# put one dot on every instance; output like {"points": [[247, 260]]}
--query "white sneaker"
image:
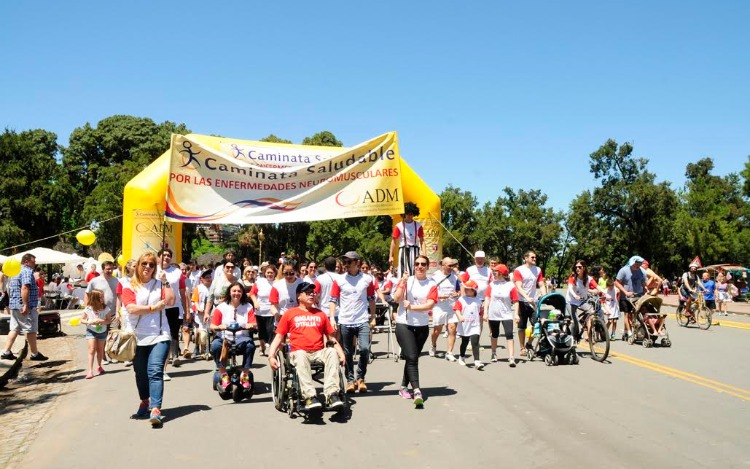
{"points": [[167, 377], [450, 357], [479, 365], [432, 351], [445, 334], [512, 362], [461, 361], [493, 358], [128, 363]]}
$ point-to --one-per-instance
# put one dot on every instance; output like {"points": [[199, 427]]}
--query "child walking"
{"points": [[612, 307], [96, 317], [468, 308], [200, 295]]}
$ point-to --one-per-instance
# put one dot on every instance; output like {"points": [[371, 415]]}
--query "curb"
{"points": [[11, 373]]}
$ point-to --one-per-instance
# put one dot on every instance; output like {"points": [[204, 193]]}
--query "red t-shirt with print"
{"points": [[305, 328]]}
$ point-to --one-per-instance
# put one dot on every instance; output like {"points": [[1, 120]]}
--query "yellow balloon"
{"points": [[121, 260], [105, 256], [86, 237], [75, 321], [11, 267]]}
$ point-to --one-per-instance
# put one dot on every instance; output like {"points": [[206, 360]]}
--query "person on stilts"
{"points": [[409, 235]]}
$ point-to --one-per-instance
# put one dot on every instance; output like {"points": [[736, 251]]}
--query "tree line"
{"points": [[47, 188]]}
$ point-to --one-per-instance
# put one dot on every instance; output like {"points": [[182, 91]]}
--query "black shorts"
{"points": [[626, 306], [711, 304], [265, 328], [507, 328], [526, 315], [174, 321]]}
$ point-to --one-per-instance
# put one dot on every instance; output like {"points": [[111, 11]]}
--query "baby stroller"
{"points": [[643, 328], [552, 338]]}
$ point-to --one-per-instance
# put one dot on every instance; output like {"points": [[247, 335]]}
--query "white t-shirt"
{"points": [[353, 293], [174, 276], [580, 288], [262, 291], [612, 301], [150, 328], [501, 296], [481, 275], [445, 286], [417, 292], [323, 284], [108, 287], [284, 294], [413, 233], [91, 315], [469, 307], [529, 277], [224, 314]]}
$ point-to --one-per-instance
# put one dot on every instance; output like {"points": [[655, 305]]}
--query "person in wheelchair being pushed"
{"points": [[234, 309], [309, 330]]}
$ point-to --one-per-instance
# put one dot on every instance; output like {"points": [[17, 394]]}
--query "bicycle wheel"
{"points": [[704, 318], [682, 320], [599, 340]]}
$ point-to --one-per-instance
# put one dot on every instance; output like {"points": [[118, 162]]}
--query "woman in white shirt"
{"points": [[261, 295], [416, 296], [145, 299], [235, 308]]}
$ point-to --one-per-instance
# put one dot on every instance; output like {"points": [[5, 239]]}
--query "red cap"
{"points": [[502, 269], [645, 263], [471, 284]]}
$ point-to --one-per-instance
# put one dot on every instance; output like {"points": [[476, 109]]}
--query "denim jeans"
{"points": [[148, 365], [362, 332], [246, 348]]}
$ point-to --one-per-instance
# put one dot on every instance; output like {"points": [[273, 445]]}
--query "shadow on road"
{"points": [[376, 389], [189, 373], [440, 391], [183, 411]]}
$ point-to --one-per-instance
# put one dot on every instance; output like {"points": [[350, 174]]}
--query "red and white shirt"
{"points": [[323, 284], [470, 308], [413, 232], [226, 314], [417, 292], [529, 278], [149, 328], [445, 286], [501, 296], [305, 328], [353, 294], [284, 294], [481, 275], [580, 288], [262, 291]]}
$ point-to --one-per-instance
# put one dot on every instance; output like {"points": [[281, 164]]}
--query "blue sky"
{"points": [[483, 94]]}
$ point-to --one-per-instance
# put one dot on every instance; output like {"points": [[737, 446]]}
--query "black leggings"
{"points": [[174, 321], [411, 339], [474, 345], [507, 328], [265, 328]]}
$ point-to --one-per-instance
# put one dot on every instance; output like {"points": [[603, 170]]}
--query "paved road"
{"points": [[684, 406]]}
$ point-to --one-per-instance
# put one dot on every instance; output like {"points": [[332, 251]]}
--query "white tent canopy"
{"points": [[48, 256]]}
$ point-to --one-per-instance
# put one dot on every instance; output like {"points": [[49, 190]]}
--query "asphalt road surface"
{"points": [[684, 406]]}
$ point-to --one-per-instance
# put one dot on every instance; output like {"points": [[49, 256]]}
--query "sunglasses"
{"points": [[150, 265], [579, 267], [289, 272], [421, 264], [228, 267]]}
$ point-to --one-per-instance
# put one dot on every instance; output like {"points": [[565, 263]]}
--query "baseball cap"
{"points": [[645, 263], [479, 254], [502, 269], [305, 287], [693, 264], [351, 255], [471, 284]]}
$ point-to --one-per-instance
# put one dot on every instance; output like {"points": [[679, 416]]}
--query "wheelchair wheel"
{"points": [[278, 384], [598, 340], [704, 318]]}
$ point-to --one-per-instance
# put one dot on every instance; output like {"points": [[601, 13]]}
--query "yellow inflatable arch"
{"points": [[144, 228]]}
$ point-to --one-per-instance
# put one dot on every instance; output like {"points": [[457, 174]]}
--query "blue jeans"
{"points": [[362, 332], [148, 365], [244, 347]]}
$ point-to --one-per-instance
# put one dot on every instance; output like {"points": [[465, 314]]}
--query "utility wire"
{"points": [[56, 235]]}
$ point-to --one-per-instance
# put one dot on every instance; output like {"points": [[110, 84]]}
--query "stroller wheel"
{"points": [[631, 339], [648, 343], [572, 358], [555, 359], [548, 360], [530, 354], [666, 343]]}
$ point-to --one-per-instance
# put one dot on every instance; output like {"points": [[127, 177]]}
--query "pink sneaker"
{"points": [[245, 381], [405, 393]]}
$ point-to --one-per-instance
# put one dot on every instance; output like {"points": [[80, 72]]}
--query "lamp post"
{"points": [[261, 238]]}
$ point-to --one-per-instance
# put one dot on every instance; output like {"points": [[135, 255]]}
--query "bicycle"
{"points": [[596, 328], [699, 314]]}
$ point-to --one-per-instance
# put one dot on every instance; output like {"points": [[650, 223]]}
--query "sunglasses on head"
{"points": [[150, 265]]}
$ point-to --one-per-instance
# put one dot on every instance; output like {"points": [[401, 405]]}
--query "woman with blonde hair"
{"points": [[145, 299]]}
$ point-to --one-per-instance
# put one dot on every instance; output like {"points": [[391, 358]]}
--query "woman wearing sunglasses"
{"points": [[284, 291], [145, 299], [580, 286], [416, 296]]}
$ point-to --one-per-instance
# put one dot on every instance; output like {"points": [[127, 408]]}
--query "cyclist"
{"points": [[690, 286], [580, 286]]}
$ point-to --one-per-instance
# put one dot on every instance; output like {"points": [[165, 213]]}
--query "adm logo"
{"points": [[187, 154], [347, 198]]}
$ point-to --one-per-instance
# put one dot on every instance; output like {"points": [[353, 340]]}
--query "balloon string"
{"points": [[55, 235]]}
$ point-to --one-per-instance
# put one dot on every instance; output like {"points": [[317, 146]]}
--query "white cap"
{"points": [[479, 254]]}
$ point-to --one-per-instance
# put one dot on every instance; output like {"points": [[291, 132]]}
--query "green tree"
{"points": [[31, 196], [274, 139], [458, 213], [100, 160], [323, 139]]}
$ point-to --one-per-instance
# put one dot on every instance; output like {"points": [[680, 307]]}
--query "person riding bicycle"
{"points": [[690, 285], [309, 330], [580, 286]]}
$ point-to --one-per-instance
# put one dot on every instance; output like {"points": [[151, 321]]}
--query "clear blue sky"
{"points": [[483, 94]]}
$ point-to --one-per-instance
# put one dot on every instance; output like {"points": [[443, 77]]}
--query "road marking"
{"points": [[723, 323], [717, 386]]}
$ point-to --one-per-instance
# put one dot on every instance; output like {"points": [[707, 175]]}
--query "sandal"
{"points": [[523, 352]]}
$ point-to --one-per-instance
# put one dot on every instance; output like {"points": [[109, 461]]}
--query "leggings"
{"points": [[265, 328], [507, 328], [411, 339], [174, 321], [474, 345]]}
